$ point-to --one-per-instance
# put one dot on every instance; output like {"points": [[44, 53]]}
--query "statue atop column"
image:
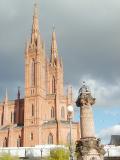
{"points": [[88, 147]]}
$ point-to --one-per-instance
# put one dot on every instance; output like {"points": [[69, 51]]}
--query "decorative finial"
{"points": [[36, 2], [36, 8], [6, 96], [53, 27], [18, 94]]}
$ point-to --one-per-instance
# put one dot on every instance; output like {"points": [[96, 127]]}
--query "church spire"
{"points": [[18, 94], [54, 49], [35, 26]]}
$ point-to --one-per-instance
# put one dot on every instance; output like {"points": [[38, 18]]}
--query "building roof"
{"points": [[115, 140]]}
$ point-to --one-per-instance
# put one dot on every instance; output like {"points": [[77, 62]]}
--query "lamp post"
{"points": [[70, 112]]}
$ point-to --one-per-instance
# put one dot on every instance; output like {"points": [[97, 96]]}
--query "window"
{"points": [[5, 143], [53, 84], [33, 110], [52, 112], [50, 139], [31, 136], [14, 116], [2, 119], [11, 117], [62, 112], [33, 73], [19, 142]]}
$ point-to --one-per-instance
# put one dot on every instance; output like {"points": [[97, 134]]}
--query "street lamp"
{"points": [[70, 112]]}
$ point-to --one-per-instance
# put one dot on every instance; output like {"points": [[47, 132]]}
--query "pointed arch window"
{"points": [[11, 117], [33, 73], [63, 112], [5, 143], [19, 142], [53, 85], [31, 136], [33, 110], [14, 116], [50, 139], [52, 112], [2, 119]]}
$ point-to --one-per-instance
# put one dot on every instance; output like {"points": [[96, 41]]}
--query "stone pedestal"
{"points": [[88, 147]]}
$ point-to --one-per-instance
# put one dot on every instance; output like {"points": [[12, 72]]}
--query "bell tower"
{"points": [[55, 82], [35, 80], [35, 61]]}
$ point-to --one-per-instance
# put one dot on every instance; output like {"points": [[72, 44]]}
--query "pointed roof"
{"points": [[54, 49], [18, 94], [35, 26]]}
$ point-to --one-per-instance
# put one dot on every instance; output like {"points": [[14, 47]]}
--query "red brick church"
{"points": [[41, 117]]}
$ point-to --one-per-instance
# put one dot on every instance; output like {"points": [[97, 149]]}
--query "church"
{"points": [[40, 117]]}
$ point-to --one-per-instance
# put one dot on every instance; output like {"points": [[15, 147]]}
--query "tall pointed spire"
{"points": [[18, 94], [54, 49], [35, 26]]}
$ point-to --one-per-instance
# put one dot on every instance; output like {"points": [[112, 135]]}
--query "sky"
{"points": [[88, 36]]}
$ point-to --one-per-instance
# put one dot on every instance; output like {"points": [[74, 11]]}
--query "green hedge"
{"points": [[8, 157]]}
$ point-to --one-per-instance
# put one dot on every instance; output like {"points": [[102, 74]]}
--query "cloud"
{"points": [[107, 95], [88, 38], [106, 133], [111, 113]]}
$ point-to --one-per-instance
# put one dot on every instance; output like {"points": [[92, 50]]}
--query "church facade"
{"points": [[41, 117]]}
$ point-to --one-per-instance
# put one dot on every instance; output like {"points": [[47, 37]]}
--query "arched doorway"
{"points": [[50, 139]]}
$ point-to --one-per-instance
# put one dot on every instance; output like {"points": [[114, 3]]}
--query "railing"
{"points": [[38, 151]]}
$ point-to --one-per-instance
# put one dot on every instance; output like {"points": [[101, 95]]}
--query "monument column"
{"points": [[88, 147]]}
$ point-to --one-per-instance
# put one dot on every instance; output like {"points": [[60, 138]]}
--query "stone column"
{"points": [[88, 147], [86, 116]]}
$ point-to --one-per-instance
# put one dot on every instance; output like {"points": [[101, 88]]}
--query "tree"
{"points": [[59, 154]]}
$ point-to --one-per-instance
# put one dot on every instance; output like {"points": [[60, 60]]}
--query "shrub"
{"points": [[8, 157], [59, 154]]}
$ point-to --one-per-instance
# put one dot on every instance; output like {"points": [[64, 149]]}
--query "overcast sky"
{"points": [[88, 35]]}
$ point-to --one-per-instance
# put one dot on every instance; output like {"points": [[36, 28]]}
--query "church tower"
{"points": [[35, 82], [55, 75]]}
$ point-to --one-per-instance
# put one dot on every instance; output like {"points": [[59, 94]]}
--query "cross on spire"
{"points": [[36, 8]]}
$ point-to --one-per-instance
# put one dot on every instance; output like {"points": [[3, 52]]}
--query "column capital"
{"points": [[85, 97], [84, 100]]}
